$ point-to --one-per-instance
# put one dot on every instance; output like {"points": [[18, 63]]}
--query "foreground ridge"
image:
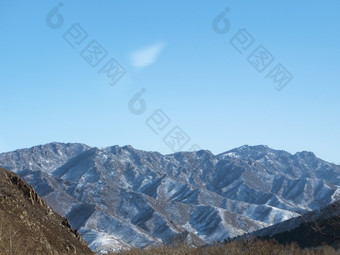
{"points": [[29, 226]]}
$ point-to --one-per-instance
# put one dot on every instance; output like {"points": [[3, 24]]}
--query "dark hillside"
{"points": [[29, 226]]}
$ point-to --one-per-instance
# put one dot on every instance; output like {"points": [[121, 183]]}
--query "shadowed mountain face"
{"points": [[29, 226], [313, 229], [121, 197]]}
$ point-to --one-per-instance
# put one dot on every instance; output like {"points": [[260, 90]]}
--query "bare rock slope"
{"points": [[29, 226]]}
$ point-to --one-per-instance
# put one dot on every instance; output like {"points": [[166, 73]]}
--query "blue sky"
{"points": [[206, 92]]}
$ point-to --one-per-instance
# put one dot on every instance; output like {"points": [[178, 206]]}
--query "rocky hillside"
{"points": [[29, 226], [122, 197], [312, 229]]}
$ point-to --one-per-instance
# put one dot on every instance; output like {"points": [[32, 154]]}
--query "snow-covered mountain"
{"points": [[311, 230], [118, 197]]}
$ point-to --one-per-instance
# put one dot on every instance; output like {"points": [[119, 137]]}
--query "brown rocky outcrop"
{"points": [[29, 226]]}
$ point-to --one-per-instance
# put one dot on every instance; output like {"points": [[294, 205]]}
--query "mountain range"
{"points": [[121, 197]]}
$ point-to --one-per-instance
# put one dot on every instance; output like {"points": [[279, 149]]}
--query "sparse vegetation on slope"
{"points": [[253, 247], [28, 226], [316, 228]]}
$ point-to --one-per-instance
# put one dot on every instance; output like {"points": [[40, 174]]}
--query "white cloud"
{"points": [[146, 56]]}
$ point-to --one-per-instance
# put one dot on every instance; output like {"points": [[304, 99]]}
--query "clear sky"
{"points": [[213, 84]]}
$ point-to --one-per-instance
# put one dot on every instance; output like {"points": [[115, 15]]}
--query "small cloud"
{"points": [[146, 56]]}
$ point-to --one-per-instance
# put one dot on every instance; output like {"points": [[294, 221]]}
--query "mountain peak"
{"points": [[306, 154], [247, 151]]}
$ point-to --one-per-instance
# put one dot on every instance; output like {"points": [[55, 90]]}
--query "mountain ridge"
{"points": [[137, 198], [29, 226], [311, 230]]}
